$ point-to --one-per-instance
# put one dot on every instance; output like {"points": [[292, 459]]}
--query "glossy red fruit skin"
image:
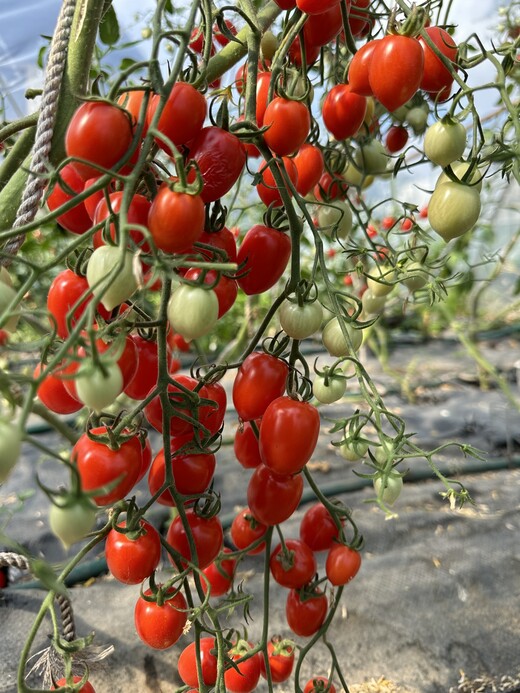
{"points": [[187, 666], [207, 534], [318, 529], [246, 446], [160, 626], [343, 111], [133, 560], [263, 256], [76, 220], [272, 499], [309, 164], [298, 573], [288, 124], [305, 617], [396, 70], [359, 69], [436, 77], [260, 379]]}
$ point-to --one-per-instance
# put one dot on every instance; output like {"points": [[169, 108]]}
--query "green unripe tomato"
{"points": [[417, 118], [392, 488], [418, 276], [454, 209], [98, 388], [459, 168], [299, 322], [335, 219], [335, 342], [445, 141], [330, 389], [192, 311], [378, 288], [353, 450], [373, 305], [372, 158], [72, 522], [100, 265], [268, 44]]}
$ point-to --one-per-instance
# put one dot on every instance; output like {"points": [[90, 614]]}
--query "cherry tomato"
{"points": [[396, 138], [75, 220], [161, 625], [436, 76], [315, 6], [260, 379], [187, 663], [147, 368], [192, 471], [176, 219], [220, 157], [319, 684], [100, 133], [305, 615], [342, 564], [220, 37], [246, 447], [153, 411], [174, 122], [246, 530], [312, 52], [213, 416], [267, 189], [137, 213], [132, 560], [294, 567], [454, 209], [226, 289], [322, 28], [207, 535], [62, 685], [222, 239], [54, 395], [263, 256], [358, 18], [132, 101], [289, 123], [280, 660], [396, 70], [343, 111], [330, 188], [317, 528], [286, 4], [359, 69], [65, 292], [309, 165], [273, 498], [244, 678], [220, 575], [288, 435], [262, 92]]}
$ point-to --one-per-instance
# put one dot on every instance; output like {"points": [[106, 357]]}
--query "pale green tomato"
{"points": [[392, 489], [372, 157], [418, 276], [382, 453], [373, 305], [377, 288], [299, 86], [445, 141], [459, 168], [71, 523], [97, 389], [101, 265], [335, 219], [10, 446], [453, 209], [353, 175], [268, 45], [416, 119], [334, 340], [400, 113], [353, 450], [192, 311], [330, 391], [299, 322]]}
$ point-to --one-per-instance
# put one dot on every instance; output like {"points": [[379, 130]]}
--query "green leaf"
{"points": [[46, 575], [109, 28], [168, 6], [126, 63]]}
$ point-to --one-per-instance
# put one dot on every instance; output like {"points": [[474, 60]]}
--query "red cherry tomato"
{"points": [[294, 567], [220, 37], [318, 529], [263, 256], [246, 447], [359, 18], [396, 138], [322, 28], [99, 466], [147, 368], [267, 189], [280, 658], [288, 435], [330, 188], [288, 124], [176, 219], [260, 379], [153, 411], [187, 663], [273, 498], [436, 76], [212, 416], [219, 575], [246, 530], [173, 122], [132, 101], [161, 625], [220, 157], [75, 220], [207, 536], [309, 165], [53, 394], [359, 69], [100, 133], [343, 111], [396, 70], [138, 211], [222, 240], [131, 560], [315, 6], [65, 292], [192, 471], [244, 678], [262, 92], [319, 684], [342, 564], [62, 685], [306, 615]]}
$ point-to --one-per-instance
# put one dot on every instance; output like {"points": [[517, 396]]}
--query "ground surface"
{"points": [[436, 606]]}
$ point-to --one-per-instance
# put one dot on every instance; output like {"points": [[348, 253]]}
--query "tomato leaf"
{"points": [[109, 28], [43, 572]]}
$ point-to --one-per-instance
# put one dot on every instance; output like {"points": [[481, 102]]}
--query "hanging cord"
{"points": [[45, 128]]}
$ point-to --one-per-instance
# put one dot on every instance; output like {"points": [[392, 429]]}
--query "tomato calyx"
{"points": [[160, 593], [106, 429], [282, 646], [412, 25]]}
